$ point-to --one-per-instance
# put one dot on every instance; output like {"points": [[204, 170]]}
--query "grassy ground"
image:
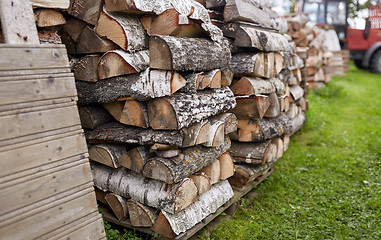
{"points": [[328, 184]]}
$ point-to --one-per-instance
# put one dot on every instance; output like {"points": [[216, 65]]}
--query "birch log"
{"points": [[296, 92], [171, 198], [143, 86], [118, 205], [186, 9], [130, 112], [297, 122], [213, 171], [182, 110], [250, 86], [195, 158], [187, 54], [248, 11], [85, 68], [229, 120], [61, 4], [136, 158], [274, 108], [124, 30], [118, 62], [226, 166], [192, 82], [253, 153], [141, 215], [48, 18], [252, 107], [90, 42], [92, 116], [107, 154], [245, 174], [170, 225], [87, 11], [201, 181]]}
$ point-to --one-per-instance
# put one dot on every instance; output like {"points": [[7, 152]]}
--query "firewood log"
{"points": [[49, 35], [90, 42], [100, 196], [284, 103], [87, 11], [244, 174], [297, 122], [181, 110], [85, 68], [213, 171], [274, 108], [118, 205], [251, 107], [215, 4], [229, 120], [226, 77], [226, 166], [192, 82], [126, 31], [141, 215], [215, 78], [279, 85], [136, 158], [121, 181], [195, 158], [286, 141], [57, 4], [171, 23], [201, 181], [248, 11], [169, 153], [246, 35], [296, 92], [293, 111], [74, 28], [143, 86], [92, 116], [130, 112], [187, 54], [118, 62], [253, 153], [107, 154], [48, 18], [278, 142], [251, 85], [170, 225], [216, 133]]}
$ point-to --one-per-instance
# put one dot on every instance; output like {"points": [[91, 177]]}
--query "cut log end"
{"points": [[160, 54], [202, 182], [186, 194], [118, 205], [157, 170], [161, 115], [107, 69]]}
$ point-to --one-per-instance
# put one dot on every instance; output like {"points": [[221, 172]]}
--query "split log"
{"points": [[141, 215], [187, 54], [87, 11], [278, 142], [170, 225], [124, 30], [201, 181], [253, 153], [280, 88], [171, 23], [143, 86], [226, 166], [182, 110], [117, 132], [274, 108], [197, 133], [107, 154], [245, 174], [195, 158], [90, 42], [298, 20], [48, 18], [297, 122], [229, 120], [248, 131], [130, 112], [286, 141], [85, 68], [171, 198], [204, 82], [303, 103], [193, 81], [252, 107], [296, 92], [293, 111], [215, 78], [136, 158], [249, 36], [260, 64], [213, 171], [213, 4], [92, 116], [247, 11], [226, 77], [216, 133], [284, 103], [186, 9], [118, 62], [170, 153], [100, 196], [74, 28], [250, 86], [118, 205]]}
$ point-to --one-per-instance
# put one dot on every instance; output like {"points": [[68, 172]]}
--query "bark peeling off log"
{"points": [[195, 158], [187, 54], [206, 204], [171, 198]]}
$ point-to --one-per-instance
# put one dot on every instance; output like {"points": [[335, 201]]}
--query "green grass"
{"points": [[328, 183]]}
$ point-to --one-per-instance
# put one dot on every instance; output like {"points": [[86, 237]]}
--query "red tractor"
{"points": [[365, 45]]}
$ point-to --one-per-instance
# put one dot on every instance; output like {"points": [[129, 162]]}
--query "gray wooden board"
{"points": [[238, 194]]}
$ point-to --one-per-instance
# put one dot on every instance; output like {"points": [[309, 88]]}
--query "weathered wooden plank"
{"points": [[53, 149], [91, 230], [17, 22], [36, 88], [44, 58], [43, 185], [40, 121]]}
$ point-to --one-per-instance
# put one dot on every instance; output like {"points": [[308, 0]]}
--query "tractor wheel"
{"points": [[375, 62], [358, 64]]}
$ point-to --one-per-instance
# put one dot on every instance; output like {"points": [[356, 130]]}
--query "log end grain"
{"points": [[161, 114], [186, 194], [160, 54]]}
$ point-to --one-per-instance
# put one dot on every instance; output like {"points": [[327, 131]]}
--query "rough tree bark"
{"points": [[136, 158], [248, 11], [182, 110], [121, 181], [253, 153], [187, 54]]}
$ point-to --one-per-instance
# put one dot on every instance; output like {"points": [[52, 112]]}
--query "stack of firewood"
{"points": [[308, 34], [152, 81], [266, 85]]}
